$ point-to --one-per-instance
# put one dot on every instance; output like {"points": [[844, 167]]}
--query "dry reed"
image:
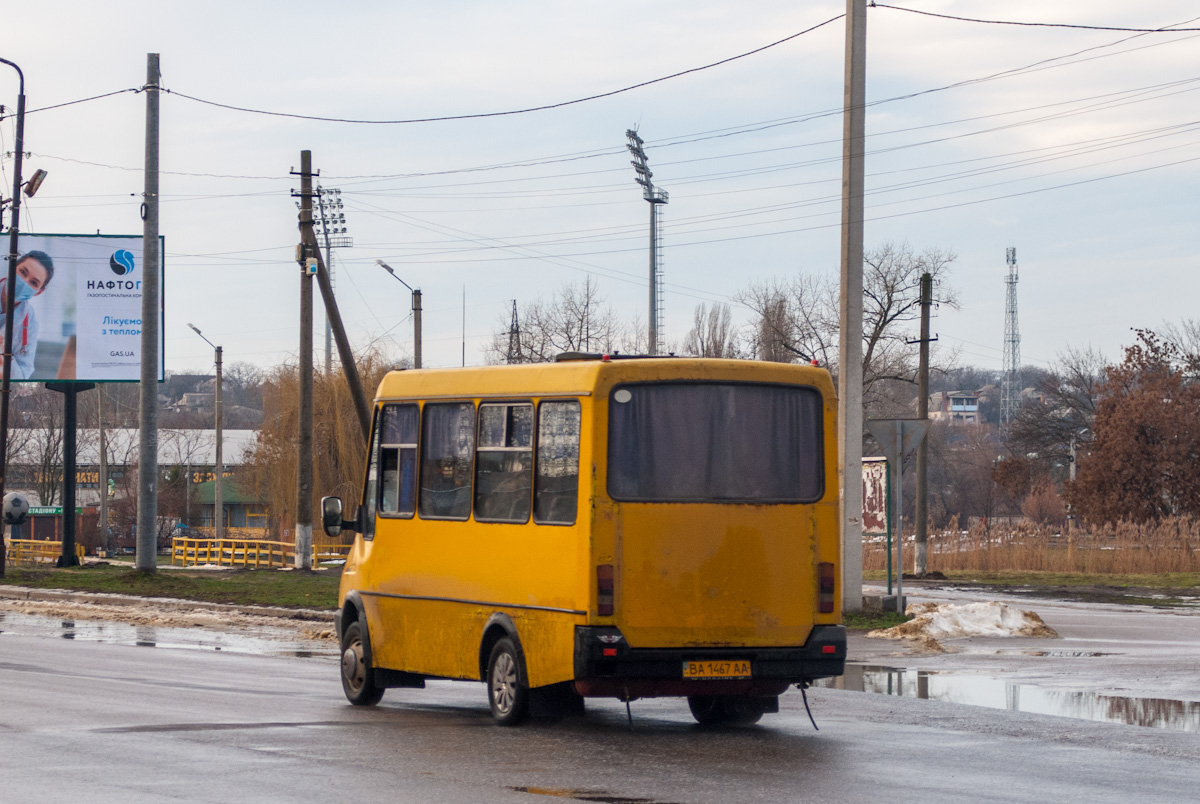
{"points": [[1169, 545]]}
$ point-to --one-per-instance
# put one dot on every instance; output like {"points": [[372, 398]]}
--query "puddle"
{"points": [[995, 693], [584, 795], [268, 642]]}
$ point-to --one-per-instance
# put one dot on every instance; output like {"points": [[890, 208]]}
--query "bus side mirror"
{"points": [[331, 517]]}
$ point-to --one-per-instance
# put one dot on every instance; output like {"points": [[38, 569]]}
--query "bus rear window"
{"points": [[715, 442]]}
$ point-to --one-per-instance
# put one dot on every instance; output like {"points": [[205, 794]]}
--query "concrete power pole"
{"points": [[147, 519], [656, 196], [920, 562], [304, 485], [850, 385]]}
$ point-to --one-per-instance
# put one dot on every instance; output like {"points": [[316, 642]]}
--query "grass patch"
{"points": [[870, 620], [294, 589]]}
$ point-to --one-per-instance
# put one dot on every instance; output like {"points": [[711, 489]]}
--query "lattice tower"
{"points": [[1010, 388], [514, 338]]}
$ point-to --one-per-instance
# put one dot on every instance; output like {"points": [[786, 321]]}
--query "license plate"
{"points": [[717, 669]]}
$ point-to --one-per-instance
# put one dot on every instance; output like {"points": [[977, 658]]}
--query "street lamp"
{"points": [[416, 308], [218, 496], [11, 285]]}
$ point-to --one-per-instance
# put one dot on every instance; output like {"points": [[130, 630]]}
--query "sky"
{"points": [[1079, 148]]}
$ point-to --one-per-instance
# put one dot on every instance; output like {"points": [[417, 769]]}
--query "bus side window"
{"points": [[447, 447], [504, 462], [398, 460], [556, 484]]}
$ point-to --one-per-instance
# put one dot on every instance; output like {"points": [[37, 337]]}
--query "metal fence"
{"points": [[250, 553], [38, 551]]}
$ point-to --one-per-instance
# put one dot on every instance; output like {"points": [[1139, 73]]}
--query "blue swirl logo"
{"points": [[121, 262]]}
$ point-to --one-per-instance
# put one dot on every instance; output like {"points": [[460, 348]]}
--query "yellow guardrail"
{"points": [[252, 553], [38, 551]]}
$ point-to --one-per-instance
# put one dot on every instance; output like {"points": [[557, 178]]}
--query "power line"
{"points": [[72, 103], [510, 112], [1035, 24]]}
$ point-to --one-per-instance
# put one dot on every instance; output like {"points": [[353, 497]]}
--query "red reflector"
{"points": [[604, 590], [825, 587], [829, 649], [610, 651]]}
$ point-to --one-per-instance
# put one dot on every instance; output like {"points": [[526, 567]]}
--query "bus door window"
{"points": [[398, 460], [447, 448], [556, 485], [504, 462], [371, 491]]}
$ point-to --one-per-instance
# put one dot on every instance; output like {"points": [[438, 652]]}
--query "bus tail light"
{"points": [[604, 590], [825, 587]]}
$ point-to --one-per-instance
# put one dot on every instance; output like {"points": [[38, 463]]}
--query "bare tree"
{"points": [[574, 320], [799, 318], [1046, 430], [712, 333]]}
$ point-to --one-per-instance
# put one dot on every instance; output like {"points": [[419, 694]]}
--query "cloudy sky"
{"points": [[1079, 148]]}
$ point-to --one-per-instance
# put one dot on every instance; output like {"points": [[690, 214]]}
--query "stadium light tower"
{"points": [[656, 197]]}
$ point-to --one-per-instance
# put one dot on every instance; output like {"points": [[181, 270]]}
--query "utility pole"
{"points": [[147, 519], [850, 385], [304, 485], [920, 565], [309, 256], [656, 196]]}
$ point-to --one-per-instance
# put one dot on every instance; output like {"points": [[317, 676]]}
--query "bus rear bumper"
{"points": [[605, 665]]}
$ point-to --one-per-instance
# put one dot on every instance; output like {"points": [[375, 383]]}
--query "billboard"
{"points": [[78, 314]]}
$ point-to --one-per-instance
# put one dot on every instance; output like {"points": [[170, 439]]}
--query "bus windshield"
{"points": [[715, 442]]}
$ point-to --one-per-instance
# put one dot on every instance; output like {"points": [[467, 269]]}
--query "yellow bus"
{"points": [[598, 526]]}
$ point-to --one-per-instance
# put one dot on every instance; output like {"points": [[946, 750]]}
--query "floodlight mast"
{"points": [[656, 197]]}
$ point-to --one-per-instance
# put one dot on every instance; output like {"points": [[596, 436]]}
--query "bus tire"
{"points": [[723, 710], [358, 680], [507, 685]]}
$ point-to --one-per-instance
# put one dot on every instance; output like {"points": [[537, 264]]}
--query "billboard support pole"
{"points": [[10, 286], [146, 559], [69, 390]]}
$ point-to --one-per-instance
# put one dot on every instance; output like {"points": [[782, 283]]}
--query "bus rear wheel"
{"points": [[357, 679], [724, 710], [508, 689]]}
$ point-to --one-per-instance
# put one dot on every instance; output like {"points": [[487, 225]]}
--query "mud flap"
{"points": [[555, 701]]}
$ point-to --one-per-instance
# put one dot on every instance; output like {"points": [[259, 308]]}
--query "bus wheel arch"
{"points": [[498, 626], [503, 670]]}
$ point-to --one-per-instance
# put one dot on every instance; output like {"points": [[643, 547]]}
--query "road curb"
{"points": [[108, 599]]}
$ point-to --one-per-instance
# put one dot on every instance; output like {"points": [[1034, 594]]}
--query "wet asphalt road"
{"points": [[96, 722]]}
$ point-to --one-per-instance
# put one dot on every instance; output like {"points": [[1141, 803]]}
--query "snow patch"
{"points": [[934, 621]]}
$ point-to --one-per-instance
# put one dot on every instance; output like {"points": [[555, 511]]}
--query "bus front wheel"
{"points": [[357, 679], [508, 689], [723, 710]]}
